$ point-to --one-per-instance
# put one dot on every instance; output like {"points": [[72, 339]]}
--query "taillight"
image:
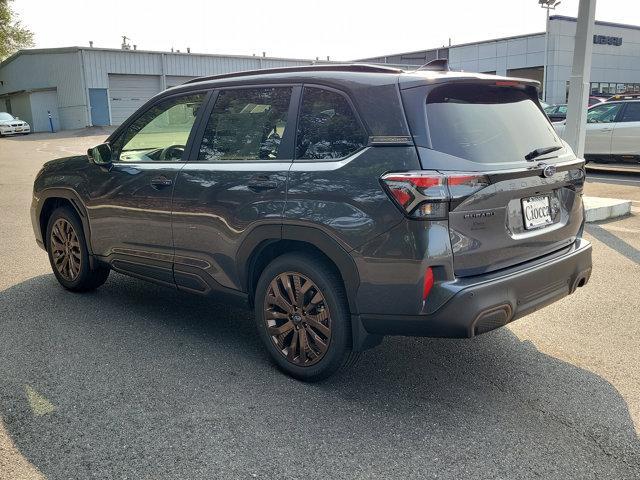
{"points": [[426, 195]]}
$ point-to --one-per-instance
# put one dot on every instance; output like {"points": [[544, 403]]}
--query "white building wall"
{"points": [[99, 63], [498, 55], [610, 63], [49, 70]]}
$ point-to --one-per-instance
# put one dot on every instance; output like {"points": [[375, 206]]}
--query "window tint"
{"points": [[161, 133], [327, 127], [632, 112], [246, 124], [603, 113], [484, 123]]}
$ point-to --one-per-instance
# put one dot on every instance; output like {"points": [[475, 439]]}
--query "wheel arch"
{"points": [[51, 199], [267, 244]]}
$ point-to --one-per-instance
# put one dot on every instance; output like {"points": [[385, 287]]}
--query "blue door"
{"points": [[99, 106]]}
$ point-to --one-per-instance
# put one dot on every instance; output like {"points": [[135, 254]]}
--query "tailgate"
{"points": [[520, 216]]}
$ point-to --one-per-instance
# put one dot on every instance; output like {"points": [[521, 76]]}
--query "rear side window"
{"points": [[246, 124], [631, 113], [487, 123], [327, 126]]}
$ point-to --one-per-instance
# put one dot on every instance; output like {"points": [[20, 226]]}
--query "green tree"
{"points": [[13, 36]]}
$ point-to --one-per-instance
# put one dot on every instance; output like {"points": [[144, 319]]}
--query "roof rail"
{"points": [[340, 67], [437, 65]]}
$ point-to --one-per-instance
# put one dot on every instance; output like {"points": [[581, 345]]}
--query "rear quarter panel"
{"points": [[344, 198]]}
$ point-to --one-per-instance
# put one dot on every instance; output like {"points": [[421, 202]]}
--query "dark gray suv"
{"points": [[342, 202]]}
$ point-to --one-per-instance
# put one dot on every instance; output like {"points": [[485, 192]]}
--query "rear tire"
{"points": [[303, 318], [68, 253]]}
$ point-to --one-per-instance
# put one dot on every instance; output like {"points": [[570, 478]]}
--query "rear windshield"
{"points": [[486, 123]]}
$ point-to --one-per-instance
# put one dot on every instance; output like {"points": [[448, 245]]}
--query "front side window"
{"points": [[603, 113], [246, 124], [631, 113], [327, 127], [160, 134]]}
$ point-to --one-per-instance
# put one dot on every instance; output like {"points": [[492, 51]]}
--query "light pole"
{"points": [[576, 123], [547, 5]]}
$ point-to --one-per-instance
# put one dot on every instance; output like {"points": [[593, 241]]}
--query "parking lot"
{"points": [[138, 381]]}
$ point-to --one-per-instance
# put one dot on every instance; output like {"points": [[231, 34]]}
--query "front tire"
{"points": [[303, 317], [68, 253]]}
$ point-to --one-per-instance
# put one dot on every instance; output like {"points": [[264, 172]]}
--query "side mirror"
{"points": [[17, 118], [101, 154]]}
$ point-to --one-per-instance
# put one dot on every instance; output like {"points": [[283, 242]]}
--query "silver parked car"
{"points": [[613, 131]]}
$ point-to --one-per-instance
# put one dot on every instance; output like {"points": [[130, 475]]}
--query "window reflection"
{"points": [[327, 127], [246, 124]]}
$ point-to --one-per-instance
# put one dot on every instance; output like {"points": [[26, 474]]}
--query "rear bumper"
{"points": [[490, 301]]}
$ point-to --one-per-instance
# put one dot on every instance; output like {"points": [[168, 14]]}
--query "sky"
{"points": [[343, 30]]}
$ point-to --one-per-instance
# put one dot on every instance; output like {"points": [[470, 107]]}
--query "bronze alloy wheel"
{"points": [[65, 249], [297, 318]]}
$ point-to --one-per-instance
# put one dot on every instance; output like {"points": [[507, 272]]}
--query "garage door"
{"points": [[175, 80], [127, 93], [43, 104]]}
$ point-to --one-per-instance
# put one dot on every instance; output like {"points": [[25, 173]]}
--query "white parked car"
{"points": [[613, 131], [10, 125]]}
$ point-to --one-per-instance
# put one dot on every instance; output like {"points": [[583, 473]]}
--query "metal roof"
{"points": [[36, 51]]}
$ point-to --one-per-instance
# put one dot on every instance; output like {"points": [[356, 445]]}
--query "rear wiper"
{"points": [[540, 151]]}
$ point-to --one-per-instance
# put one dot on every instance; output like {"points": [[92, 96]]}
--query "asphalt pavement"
{"points": [[136, 381]]}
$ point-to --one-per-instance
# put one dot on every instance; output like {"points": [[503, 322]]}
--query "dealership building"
{"points": [[84, 86], [615, 66]]}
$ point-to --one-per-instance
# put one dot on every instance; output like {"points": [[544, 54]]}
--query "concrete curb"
{"points": [[597, 209], [626, 169]]}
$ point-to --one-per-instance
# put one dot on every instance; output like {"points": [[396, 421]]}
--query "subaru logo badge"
{"points": [[549, 171]]}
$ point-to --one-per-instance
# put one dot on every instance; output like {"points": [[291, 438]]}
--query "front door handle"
{"points": [[262, 182], [161, 182]]}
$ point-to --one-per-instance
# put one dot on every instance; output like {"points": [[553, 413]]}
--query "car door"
{"points": [[129, 204], [600, 123], [625, 141], [233, 184]]}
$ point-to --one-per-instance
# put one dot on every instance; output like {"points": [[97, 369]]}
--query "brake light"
{"points": [[426, 194], [507, 83]]}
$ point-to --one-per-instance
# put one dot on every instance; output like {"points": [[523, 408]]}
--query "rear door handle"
{"points": [[160, 182], [262, 182]]}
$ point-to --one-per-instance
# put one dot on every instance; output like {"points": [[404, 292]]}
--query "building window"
{"points": [[606, 89]]}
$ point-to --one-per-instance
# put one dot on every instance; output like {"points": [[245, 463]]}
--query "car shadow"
{"points": [[138, 381]]}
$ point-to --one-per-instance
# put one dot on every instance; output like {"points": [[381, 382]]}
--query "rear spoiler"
{"points": [[420, 78]]}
